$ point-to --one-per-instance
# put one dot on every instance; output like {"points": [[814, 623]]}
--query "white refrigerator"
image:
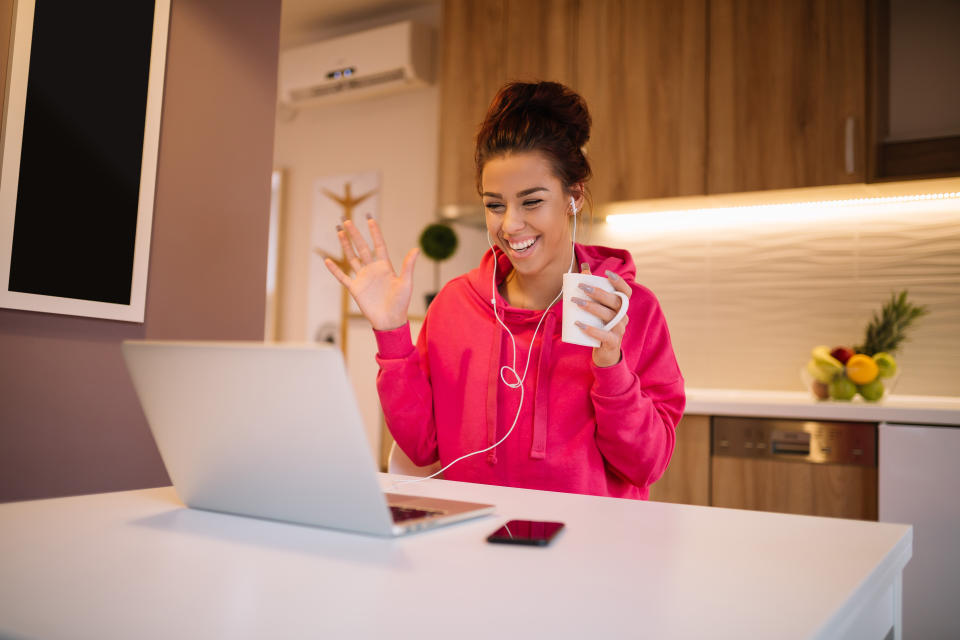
{"points": [[919, 469]]}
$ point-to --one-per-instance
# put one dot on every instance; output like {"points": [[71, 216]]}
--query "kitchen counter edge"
{"points": [[925, 410]]}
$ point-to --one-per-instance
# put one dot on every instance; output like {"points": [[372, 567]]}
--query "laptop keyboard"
{"points": [[401, 514]]}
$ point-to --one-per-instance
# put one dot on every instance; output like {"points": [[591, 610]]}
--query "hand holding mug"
{"points": [[594, 313]]}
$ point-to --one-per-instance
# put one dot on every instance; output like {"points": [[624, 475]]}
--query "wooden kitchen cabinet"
{"points": [[540, 37], [471, 54], [787, 94], [484, 44], [687, 479], [687, 96], [640, 66]]}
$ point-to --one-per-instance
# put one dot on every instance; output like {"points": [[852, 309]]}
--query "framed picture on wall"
{"points": [[81, 130]]}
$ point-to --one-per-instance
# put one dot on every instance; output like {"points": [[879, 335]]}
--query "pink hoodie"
{"points": [[582, 428]]}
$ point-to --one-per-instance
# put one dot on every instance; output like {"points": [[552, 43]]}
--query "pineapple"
{"points": [[888, 329]]}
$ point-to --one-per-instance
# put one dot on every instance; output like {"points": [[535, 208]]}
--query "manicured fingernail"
{"points": [[339, 227], [579, 324], [369, 216], [578, 301], [584, 266], [612, 275], [343, 218], [586, 287]]}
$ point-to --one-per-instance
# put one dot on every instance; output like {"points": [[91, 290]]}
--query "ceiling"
{"points": [[301, 19]]}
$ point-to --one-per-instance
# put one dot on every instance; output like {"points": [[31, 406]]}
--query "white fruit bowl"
{"points": [[809, 383]]}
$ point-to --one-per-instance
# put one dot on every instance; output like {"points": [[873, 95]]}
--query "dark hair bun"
{"points": [[541, 116]]}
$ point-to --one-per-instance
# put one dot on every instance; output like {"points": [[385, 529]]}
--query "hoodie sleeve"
{"points": [[639, 401], [403, 383]]}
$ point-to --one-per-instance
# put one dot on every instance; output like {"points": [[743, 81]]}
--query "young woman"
{"points": [[489, 372]]}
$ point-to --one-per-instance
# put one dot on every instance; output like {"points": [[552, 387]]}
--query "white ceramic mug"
{"points": [[573, 313]]}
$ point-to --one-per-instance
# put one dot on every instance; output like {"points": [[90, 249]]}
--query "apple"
{"points": [[872, 391], [842, 354], [842, 389], [886, 364]]}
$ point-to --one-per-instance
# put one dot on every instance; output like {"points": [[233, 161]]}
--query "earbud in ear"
{"points": [[573, 205]]}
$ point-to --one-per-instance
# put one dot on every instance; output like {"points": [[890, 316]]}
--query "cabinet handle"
{"points": [[848, 150]]}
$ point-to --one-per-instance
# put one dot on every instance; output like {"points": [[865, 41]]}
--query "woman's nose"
{"points": [[512, 220]]}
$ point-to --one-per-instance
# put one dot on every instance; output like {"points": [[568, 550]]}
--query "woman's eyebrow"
{"points": [[527, 192], [520, 194]]}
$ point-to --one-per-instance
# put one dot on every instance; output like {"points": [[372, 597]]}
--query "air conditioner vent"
{"points": [[390, 58]]}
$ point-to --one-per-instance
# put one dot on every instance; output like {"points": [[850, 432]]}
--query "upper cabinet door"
{"points": [[641, 66], [472, 63], [786, 94], [485, 44], [540, 40]]}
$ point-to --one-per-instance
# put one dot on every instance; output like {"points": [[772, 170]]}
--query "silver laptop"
{"points": [[271, 431]]}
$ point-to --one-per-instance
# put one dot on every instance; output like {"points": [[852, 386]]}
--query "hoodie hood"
{"points": [[497, 266]]}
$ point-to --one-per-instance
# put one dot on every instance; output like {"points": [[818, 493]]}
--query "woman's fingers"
{"points": [[337, 272], [604, 298], [408, 262], [348, 251], [585, 268], [379, 246], [612, 337], [619, 283], [609, 352], [609, 341], [363, 251], [602, 311]]}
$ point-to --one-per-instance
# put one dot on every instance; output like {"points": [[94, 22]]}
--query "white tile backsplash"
{"points": [[746, 304]]}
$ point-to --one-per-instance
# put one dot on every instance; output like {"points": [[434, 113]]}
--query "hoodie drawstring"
{"points": [[493, 387], [541, 396], [541, 405]]}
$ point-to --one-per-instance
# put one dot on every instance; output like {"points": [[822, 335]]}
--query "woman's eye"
{"points": [[495, 207], [531, 203]]}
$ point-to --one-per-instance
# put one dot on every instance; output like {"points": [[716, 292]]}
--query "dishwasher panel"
{"points": [[795, 466]]}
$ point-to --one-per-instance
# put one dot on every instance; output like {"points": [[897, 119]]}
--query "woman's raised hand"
{"points": [[382, 294]]}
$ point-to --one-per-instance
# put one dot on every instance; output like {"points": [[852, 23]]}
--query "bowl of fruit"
{"points": [[869, 370], [843, 374]]}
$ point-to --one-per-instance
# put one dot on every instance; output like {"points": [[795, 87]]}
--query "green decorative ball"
{"points": [[438, 241]]}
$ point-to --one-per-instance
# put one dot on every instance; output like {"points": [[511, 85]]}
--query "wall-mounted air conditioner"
{"points": [[385, 59]]}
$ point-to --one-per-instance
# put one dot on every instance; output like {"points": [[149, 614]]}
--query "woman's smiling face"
{"points": [[527, 212]]}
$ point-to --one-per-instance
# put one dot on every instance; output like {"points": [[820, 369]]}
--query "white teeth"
{"points": [[520, 246]]}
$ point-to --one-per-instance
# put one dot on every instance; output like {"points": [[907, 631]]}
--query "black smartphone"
{"points": [[526, 532]]}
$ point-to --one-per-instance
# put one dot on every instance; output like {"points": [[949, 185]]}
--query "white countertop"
{"points": [[139, 565], [928, 410]]}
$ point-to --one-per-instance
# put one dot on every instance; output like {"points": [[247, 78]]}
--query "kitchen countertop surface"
{"points": [[138, 564], [927, 410]]}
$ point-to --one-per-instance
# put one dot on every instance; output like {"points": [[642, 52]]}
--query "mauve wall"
{"points": [[69, 420]]}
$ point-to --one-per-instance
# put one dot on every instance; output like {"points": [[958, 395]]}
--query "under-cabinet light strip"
{"points": [[680, 219]]}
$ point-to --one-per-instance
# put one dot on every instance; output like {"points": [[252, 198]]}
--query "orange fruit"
{"points": [[862, 369]]}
